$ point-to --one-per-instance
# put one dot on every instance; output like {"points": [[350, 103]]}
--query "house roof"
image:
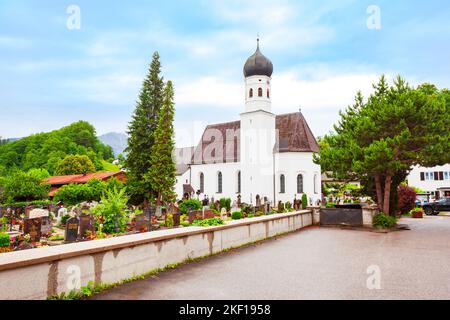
{"points": [[294, 135], [80, 178]]}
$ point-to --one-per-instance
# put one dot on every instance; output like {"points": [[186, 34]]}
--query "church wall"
{"points": [[229, 179], [291, 164], [182, 179]]}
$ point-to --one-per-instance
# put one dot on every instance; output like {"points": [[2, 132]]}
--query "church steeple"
{"points": [[258, 64], [258, 71]]}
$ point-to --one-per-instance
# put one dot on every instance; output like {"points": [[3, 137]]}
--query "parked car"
{"points": [[434, 208]]}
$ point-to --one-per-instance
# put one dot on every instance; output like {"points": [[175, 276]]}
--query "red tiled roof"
{"points": [[80, 178], [294, 135]]}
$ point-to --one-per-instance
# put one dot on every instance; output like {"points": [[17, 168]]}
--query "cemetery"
{"points": [[32, 226], [151, 240]]}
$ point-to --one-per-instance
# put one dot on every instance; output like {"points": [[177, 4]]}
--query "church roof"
{"points": [[293, 131]]}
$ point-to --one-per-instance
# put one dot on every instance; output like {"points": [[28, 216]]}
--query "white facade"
{"points": [[431, 180], [264, 166]]}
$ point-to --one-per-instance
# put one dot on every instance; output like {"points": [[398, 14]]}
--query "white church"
{"points": [[260, 154]]}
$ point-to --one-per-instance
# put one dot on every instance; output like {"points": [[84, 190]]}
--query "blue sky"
{"points": [[322, 51]]}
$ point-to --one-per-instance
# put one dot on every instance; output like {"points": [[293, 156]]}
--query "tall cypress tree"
{"points": [[141, 133], [162, 165]]}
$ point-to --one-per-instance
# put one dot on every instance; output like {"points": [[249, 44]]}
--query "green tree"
{"points": [[141, 132], [111, 211], [24, 186], [75, 164], [378, 141], [162, 165], [46, 150]]}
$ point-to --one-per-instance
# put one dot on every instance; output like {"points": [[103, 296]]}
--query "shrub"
{"points": [[184, 223], [169, 220], [251, 216], [288, 206], [4, 240], [111, 211], [64, 219], [416, 210], [236, 215], [304, 201], [208, 222], [406, 199], [56, 238], [193, 204], [383, 221], [280, 207], [225, 203], [330, 205]]}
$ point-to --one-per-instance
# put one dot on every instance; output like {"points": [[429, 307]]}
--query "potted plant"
{"points": [[417, 213]]}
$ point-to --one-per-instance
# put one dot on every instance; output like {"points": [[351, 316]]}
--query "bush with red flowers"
{"points": [[406, 199]]}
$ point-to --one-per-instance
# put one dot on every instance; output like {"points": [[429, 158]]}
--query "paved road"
{"points": [[317, 263]]}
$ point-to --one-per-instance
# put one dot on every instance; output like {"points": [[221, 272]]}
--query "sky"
{"points": [[64, 61]]}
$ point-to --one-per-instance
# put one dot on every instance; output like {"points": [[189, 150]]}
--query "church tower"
{"points": [[258, 134], [258, 72]]}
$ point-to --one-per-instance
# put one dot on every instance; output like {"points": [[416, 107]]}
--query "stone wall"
{"points": [[39, 273]]}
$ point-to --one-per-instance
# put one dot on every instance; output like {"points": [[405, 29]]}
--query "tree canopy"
{"points": [[379, 140], [75, 164], [24, 186], [47, 150]]}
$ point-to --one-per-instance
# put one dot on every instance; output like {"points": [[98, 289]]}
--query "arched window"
{"points": [[315, 184], [239, 182], [268, 93], [260, 92], [251, 93], [300, 183], [219, 182], [202, 182], [282, 184]]}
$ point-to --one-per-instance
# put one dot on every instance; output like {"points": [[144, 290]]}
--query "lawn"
{"points": [[110, 167]]}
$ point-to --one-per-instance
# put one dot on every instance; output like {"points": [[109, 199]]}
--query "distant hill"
{"points": [[116, 140], [46, 150]]}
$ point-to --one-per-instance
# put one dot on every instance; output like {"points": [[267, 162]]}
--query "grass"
{"points": [[110, 167]]}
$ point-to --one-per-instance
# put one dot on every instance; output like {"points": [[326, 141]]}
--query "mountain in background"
{"points": [[116, 140]]}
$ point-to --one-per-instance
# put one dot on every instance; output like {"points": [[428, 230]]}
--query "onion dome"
{"points": [[258, 65]]}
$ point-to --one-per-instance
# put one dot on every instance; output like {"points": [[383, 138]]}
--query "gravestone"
{"points": [[158, 212], [176, 219], [150, 211], [71, 234], [33, 228], [223, 214], [46, 226], [142, 223], [195, 215], [37, 213], [76, 212], [86, 225], [258, 200]]}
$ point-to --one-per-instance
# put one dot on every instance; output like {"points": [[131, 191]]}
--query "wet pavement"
{"points": [[315, 263]]}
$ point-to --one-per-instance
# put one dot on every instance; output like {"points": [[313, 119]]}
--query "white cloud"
{"points": [[211, 91], [320, 94], [117, 89]]}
